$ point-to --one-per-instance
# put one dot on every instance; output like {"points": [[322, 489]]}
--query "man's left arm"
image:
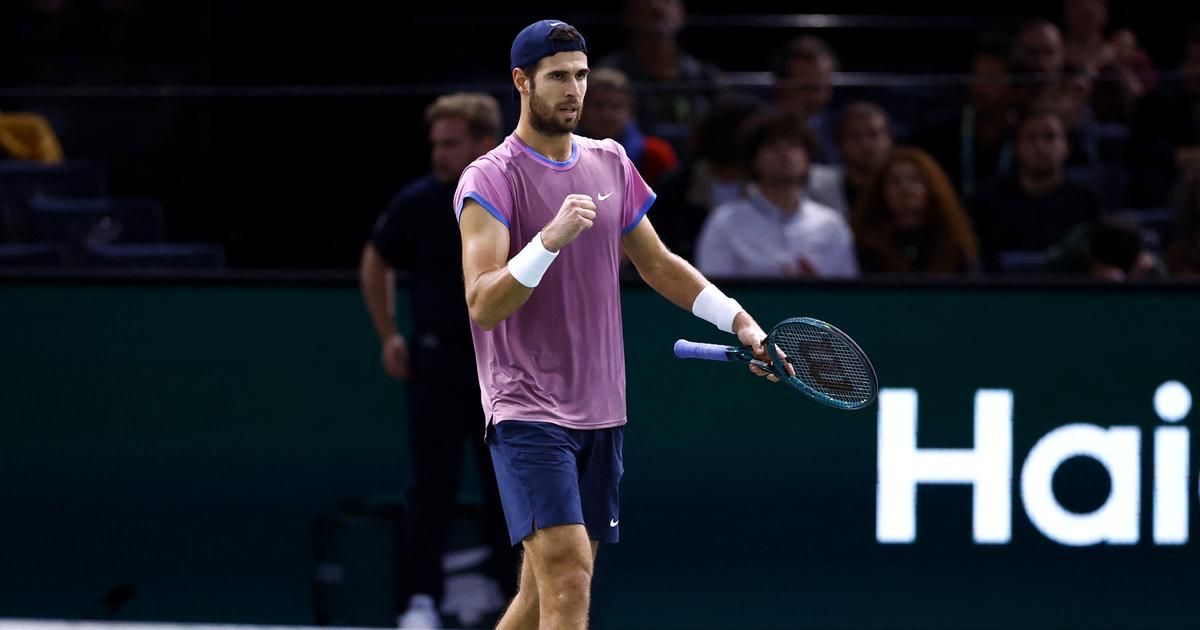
{"points": [[678, 281]]}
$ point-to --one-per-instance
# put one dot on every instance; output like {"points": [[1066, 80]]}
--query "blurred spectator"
{"points": [[714, 175], [909, 220], [1116, 253], [1110, 250], [1084, 24], [1183, 256], [1165, 138], [803, 71], [864, 140], [418, 232], [1039, 45], [608, 113], [969, 142], [1042, 77], [27, 136], [673, 88], [777, 230], [1120, 71], [1035, 207]]}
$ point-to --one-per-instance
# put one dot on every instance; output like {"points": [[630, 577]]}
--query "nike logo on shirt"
{"points": [[603, 197]]}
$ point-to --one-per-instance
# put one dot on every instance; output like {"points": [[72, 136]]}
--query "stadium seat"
{"points": [[1112, 141], [21, 182], [1021, 261], [1109, 182], [74, 222], [30, 255], [170, 255]]}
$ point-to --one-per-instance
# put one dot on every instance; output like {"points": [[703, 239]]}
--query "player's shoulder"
{"points": [[606, 148]]}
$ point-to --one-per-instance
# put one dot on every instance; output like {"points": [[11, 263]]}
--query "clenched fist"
{"points": [[577, 214]]}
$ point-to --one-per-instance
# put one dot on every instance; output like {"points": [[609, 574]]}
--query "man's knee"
{"points": [[574, 584], [568, 573], [566, 556], [565, 562]]}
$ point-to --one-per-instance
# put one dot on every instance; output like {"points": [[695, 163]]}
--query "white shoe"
{"points": [[471, 596], [421, 614]]}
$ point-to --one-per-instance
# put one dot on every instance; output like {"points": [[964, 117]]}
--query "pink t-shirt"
{"points": [[559, 358]]}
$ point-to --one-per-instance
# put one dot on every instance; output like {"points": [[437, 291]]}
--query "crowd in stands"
{"points": [[1061, 157], [1066, 151]]}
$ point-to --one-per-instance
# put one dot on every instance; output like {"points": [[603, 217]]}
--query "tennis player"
{"points": [[544, 218]]}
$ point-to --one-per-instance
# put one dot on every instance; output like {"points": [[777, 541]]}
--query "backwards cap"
{"points": [[533, 43]]}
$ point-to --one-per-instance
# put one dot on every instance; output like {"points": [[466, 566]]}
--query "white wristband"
{"points": [[528, 266], [716, 308]]}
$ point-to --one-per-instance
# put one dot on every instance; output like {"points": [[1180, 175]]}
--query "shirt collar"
{"points": [[764, 205]]}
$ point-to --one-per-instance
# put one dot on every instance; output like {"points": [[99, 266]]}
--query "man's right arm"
{"points": [[378, 282], [497, 287], [492, 292]]}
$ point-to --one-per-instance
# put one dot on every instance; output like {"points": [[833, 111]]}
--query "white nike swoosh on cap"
{"points": [[613, 523]]}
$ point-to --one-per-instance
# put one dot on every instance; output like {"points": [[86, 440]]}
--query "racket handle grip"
{"points": [[685, 349]]}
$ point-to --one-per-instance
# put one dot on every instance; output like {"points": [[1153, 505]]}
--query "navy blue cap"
{"points": [[533, 43]]}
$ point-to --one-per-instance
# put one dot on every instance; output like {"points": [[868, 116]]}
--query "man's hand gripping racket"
{"points": [[812, 356]]}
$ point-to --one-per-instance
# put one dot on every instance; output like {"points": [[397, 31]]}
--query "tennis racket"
{"points": [[829, 367]]}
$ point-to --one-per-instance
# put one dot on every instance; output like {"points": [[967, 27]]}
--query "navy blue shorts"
{"points": [[550, 475]]}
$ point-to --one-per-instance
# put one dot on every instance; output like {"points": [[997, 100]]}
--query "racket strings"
{"points": [[826, 363]]}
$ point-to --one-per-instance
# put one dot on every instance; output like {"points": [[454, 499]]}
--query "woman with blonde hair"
{"points": [[910, 220]]}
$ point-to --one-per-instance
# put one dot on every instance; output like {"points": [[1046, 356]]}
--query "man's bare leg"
{"points": [[562, 559], [524, 612]]}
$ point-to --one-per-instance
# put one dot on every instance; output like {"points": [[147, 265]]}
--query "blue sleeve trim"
{"points": [[641, 213], [486, 206]]}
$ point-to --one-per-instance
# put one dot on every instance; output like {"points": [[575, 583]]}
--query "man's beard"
{"points": [[545, 120]]}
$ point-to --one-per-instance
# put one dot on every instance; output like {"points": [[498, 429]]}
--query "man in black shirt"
{"points": [[1165, 138], [417, 232], [969, 141], [1037, 206]]}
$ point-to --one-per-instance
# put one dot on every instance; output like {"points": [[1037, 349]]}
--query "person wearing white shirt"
{"points": [[776, 231]]}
